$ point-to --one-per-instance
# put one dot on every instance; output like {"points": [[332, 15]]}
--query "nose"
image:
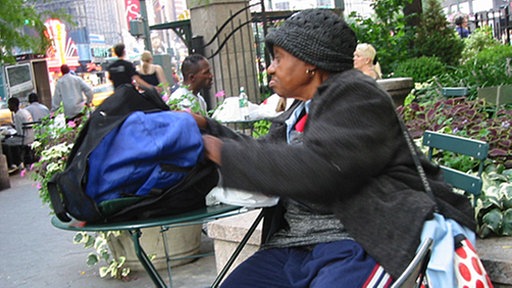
{"points": [[271, 69]]}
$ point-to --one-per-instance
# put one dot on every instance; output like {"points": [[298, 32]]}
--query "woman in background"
{"points": [[151, 73], [366, 61]]}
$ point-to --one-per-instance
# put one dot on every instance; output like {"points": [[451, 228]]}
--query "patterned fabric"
{"points": [[468, 268]]}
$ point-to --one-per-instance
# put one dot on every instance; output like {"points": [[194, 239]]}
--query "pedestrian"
{"points": [[123, 72], [352, 204], [461, 23], [365, 59], [70, 90], [197, 77], [36, 109], [152, 73], [15, 146]]}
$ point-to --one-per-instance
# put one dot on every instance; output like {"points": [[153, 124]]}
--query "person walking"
{"points": [[36, 109], [352, 205], [197, 76], [123, 72], [70, 91]]}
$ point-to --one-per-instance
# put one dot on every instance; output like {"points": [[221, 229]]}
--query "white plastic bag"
{"points": [[241, 198]]}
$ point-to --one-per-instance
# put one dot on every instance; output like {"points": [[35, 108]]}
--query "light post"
{"points": [[144, 16]]}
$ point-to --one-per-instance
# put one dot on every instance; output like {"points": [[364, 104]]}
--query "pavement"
{"points": [[33, 253]]}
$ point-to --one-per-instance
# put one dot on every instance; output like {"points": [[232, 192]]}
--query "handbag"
{"points": [[467, 265]]}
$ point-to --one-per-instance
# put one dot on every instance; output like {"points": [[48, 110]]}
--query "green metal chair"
{"points": [[474, 148], [199, 216], [449, 92]]}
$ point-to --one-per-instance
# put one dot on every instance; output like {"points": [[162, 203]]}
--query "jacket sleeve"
{"points": [[348, 139]]}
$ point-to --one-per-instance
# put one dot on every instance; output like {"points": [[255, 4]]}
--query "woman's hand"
{"points": [[213, 148]]}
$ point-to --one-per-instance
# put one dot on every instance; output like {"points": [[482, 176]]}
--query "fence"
{"points": [[500, 21]]}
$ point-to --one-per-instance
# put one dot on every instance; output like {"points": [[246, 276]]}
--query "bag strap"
{"points": [[416, 160], [56, 200]]}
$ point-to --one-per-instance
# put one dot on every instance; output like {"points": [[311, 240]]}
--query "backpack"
{"points": [[133, 159]]}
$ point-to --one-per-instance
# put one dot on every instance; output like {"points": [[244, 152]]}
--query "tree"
{"points": [[435, 37], [22, 27]]}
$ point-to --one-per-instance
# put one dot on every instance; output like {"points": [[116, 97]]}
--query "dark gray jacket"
{"points": [[354, 160]]}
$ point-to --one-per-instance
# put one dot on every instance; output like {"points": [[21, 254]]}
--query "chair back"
{"points": [[465, 146], [415, 272], [450, 92]]}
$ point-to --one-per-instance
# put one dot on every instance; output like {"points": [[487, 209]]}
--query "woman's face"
{"points": [[359, 60], [289, 76]]}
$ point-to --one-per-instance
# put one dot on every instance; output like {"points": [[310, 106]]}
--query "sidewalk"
{"points": [[36, 254]]}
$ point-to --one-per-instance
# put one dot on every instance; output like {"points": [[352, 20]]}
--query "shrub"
{"points": [[480, 39], [435, 37], [466, 118], [420, 69], [490, 67]]}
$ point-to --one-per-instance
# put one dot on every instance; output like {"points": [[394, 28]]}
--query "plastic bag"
{"points": [[241, 198]]}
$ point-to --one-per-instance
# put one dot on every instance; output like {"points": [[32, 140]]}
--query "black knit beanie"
{"points": [[318, 37]]}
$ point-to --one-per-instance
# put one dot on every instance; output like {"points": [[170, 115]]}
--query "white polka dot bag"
{"points": [[468, 267]]}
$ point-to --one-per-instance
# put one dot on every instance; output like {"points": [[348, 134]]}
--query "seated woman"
{"points": [[352, 204], [365, 60]]}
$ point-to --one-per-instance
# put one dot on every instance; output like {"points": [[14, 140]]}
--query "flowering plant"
{"points": [[55, 139]]}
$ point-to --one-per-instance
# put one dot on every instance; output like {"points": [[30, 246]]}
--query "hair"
{"points": [[368, 51], [119, 49], [191, 65], [459, 20], [13, 102], [146, 58], [64, 69], [32, 97]]}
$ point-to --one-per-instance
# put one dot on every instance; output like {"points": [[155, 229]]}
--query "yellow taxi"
{"points": [[101, 92], [5, 114]]}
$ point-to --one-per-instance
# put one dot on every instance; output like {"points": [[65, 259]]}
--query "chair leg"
{"points": [[237, 251], [145, 261]]}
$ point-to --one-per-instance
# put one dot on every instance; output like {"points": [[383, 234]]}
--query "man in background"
{"points": [[15, 146], [70, 90], [36, 109], [124, 72], [196, 77]]}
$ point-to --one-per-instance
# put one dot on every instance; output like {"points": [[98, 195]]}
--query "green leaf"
{"points": [[92, 259], [79, 237], [506, 191], [103, 271], [125, 272], [507, 222], [484, 231], [493, 220]]}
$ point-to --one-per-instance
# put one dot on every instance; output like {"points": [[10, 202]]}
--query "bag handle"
{"points": [[56, 200]]}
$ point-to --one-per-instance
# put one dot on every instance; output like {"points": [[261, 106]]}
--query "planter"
{"points": [[398, 88], [182, 241]]}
